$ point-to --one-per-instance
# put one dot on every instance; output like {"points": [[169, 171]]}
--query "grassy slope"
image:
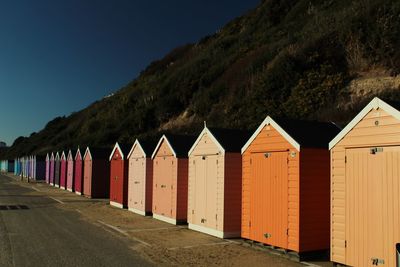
{"points": [[284, 58]]}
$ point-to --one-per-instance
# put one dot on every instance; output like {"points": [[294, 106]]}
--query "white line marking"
{"points": [[150, 229], [59, 201], [124, 233], [36, 189], [200, 245]]}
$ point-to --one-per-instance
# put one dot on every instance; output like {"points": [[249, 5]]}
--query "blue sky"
{"points": [[57, 57]]}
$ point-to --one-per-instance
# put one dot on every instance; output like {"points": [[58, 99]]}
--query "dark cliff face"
{"points": [[285, 58]]}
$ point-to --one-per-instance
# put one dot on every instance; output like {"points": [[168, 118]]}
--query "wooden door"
{"points": [[372, 205], [116, 180], [137, 183], [87, 178], [269, 198], [163, 174]]}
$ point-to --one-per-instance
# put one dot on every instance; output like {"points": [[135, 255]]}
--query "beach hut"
{"points": [[140, 177], [365, 188], [39, 167], [52, 168], [285, 180], [170, 178], [47, 168], [11, 164], [57, 169], [119, 176], [96, 174], [70, 170], [78, 172], [63, 171], [215, 182]]}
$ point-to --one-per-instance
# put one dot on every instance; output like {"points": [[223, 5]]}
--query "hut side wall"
{"points": [[101, 178], [233, 193], [182, 189], [314, 199]]}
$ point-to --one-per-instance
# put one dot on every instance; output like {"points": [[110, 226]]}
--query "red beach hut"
{"points": [[78, 172], [170, 178], [119, 176]]}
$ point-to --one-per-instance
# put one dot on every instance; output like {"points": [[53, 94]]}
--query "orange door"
{"points": [[137, 183], [372, 206], [87, 178], [163, 175], [199, 209], [269, 198]]}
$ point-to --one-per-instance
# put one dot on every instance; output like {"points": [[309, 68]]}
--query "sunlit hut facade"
{"points": [[52, 167], [96, 173], [285, 175], [140, 177], [365, 188], [170, 178], [57, 169], [119, 175], [63, 171], [70, 170], [215, 182], [78, 172], [48, 168]]}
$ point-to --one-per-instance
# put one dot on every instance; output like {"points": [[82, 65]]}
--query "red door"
{"points": [[116, 180]]}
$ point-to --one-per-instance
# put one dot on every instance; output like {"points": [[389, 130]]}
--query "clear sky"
{"points": [[58, 56]]}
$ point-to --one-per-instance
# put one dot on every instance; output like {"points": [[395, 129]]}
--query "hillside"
{"points": [[304, 59]]}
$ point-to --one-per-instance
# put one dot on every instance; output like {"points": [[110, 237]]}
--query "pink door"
{"points": [[137, 183], [87, 178], [163, 175], [205, 188], [70, 174]]}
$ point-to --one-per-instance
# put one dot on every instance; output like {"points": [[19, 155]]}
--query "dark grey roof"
{"points": [[100, 152], [125, 149], [148, 146], [181, 144], [309, 133], [231, 140]]}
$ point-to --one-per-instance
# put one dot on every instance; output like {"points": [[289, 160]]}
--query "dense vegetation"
{"points": [[290, 58]]}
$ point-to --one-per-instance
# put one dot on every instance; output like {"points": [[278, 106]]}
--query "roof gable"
{"points": [[227, 140], [52, 156], [375, 104], [78, 153], [299, 133], [123, 150], [63, 157], [179, 144]]}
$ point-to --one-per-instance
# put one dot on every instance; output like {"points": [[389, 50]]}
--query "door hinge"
{"points": [[192, 211], [287, 231], [216, 216], [345, 159], [345, 243], [251, 161], [249, 223]]}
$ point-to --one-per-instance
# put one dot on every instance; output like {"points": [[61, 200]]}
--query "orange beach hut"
{"points": [[365, 188], [170, 178], [285, 176]]}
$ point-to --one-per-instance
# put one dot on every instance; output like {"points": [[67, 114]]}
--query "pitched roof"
{"points": [[71, 153], [300, 133], [147, 146], [78, 152], [229, 140], [179, 144], [97, 152], [123, 149], [375, 104]]}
